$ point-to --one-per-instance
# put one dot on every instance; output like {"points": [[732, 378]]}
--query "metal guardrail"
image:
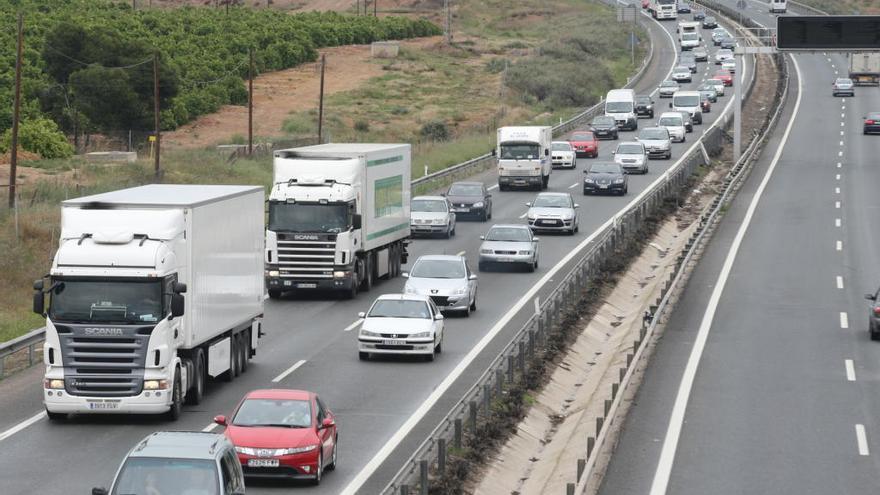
{"points": [[27, 341], [474, 410]]}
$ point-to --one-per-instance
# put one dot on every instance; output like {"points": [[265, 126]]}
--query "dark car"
{"points": [[705, 104], [874, 313], [605, 177], [699, 15], [604, 126], [687, 59], [644, 106], [709, 22], [470, 198], [727, 43], [684, 8], [872, 123]]}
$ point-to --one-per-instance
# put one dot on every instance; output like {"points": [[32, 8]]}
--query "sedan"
{"points": [[605, 178], [709, 22], [674, 123], [729, 65], [874, 315], [687, 59], [724, 76], [708, 92], [281, 433], [470, 198], [722, 55], [431, 215], [632, 157], [699, 15], [716, 83], [681, 74], [705, 103], [509, 245], [657, 142], [401, 324], [872, 123], [700, 54], [684, 8], [843, 86], [719, 33], [553, 211], [688, 121], [604, 126], [644, 106], [562, 154], [728, 43], [446, 279], [584, 143], [668, 88]]}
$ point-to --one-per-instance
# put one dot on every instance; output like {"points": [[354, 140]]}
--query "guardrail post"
{"points": [[456, 438], [472, 409], [591, 442], [531, 343], [404, 489], [521, 357], [441, 456], [2, 361], [31, 355], [423, 477], [487, 398], [499, 382], [569, 489], [510, 369], [582, 464]]}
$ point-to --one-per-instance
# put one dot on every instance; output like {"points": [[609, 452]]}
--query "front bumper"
{"points": [[844, 92], [521, 181], [658, 152], [295, 466], [633, 167], [603, 188], [562, 162], [666, 94], [871, 129], [604, 133], [551, 224], [644, 112], [375, 345], [505, 259], [586, 151], [285, 283], [467, 210], [147, 402], [426, 230]]}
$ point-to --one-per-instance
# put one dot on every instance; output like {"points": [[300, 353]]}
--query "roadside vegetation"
{"points": [[847, 7]]}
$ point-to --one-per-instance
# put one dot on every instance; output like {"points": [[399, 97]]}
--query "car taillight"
{"points": [[876, 310], [869, 122]]}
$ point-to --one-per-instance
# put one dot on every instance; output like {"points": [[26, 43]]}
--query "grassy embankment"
{"points": [[847, 7]]}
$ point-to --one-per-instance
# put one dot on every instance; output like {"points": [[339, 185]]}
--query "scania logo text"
{"points": [[305, 237], [103, 332]]}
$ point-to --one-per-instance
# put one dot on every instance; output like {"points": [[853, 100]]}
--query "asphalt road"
{"points": [[785, 396], [371, 399]]}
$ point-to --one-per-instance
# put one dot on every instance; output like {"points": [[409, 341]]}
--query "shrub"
{"points": [[435, 130], [40, 136], [362, 126]]}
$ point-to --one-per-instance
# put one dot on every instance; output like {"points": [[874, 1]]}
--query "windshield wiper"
{"points": [[285, 426]]}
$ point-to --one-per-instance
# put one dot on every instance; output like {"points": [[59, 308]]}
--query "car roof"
{"points": [[180, 445], [440, 257], [402, 297], [278, 393], [436, 198]]}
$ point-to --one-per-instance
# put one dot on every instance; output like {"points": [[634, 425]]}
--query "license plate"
{"points": [[394, 342], [262, 462], [100, 406], [603, 186], [306, 286], [505, 260], [287, 283], [461, 210]]}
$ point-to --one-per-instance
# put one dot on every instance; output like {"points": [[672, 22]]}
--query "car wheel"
{"points": [[319, 471], [334, 458], [484, 216], [54, 416], [577, 228], [615, 136], [874, 335], [586, 193], [530, 267], [474, 303], [430, 357], [448, 233], [489, 215], [176, 400], [364, 356], [355, 285], [274, 293]]}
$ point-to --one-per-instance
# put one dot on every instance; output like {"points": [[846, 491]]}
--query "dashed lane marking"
{"points": [[288, 371], [24, 424], [837, 222], [840, 245], [574, 185], [844, 320], [492, 187], [355, 324], [862, 440], [850, 370], [837, 204], [839, 282]]}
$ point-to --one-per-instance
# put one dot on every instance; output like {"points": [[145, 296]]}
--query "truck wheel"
{"points": [[274, 293], [54, 416], [197, 392], [368, 273], [241, 353], [355, 284], [245, 350], [232, 372], [545, 181], [176, 399]]}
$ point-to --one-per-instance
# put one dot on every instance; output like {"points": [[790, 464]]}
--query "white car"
{"points": [[401, 324], [723, 55], [553, 211], [446, 279], [729, 65], [509, 244], [718, 84], [681, 74], [674, 123], [431, 215], [562, 154], [668, 88], [719, 34], [632, 157]]}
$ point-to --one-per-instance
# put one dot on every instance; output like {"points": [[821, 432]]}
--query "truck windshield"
{"points": [[168, 476], [520, 151], [306, 217], [666, 2], [106, 300], [686, 101], [619, 107]]}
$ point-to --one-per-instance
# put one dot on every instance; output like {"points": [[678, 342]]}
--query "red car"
{"points": [[705, 105], [283, 434], [584, 144], [725, 76]]}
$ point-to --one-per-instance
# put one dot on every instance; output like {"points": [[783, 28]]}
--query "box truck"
{"points": [[339, 217], [663, 9], [153, 290], [621, 104], [523, 156], [864, 68]]}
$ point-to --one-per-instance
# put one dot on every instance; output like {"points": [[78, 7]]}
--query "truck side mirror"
{"points": [[39, 303], [177, 305], [38, 284], [356, 222], [670, 105], [179, 288], [547, 152]]}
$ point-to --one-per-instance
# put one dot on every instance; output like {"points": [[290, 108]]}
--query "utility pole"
{"points": [[251, 103], [448, 24], [321, 101], [156, 162], [737, 105], [375, 8], [13, 157]]}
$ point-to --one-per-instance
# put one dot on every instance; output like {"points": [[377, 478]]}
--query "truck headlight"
{"points": [[273, 273], [53, 384], [526, 253], [338, 274], [478, 204], [155, 384]]}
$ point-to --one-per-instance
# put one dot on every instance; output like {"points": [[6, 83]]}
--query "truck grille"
{"points": [[306, 259], [109, 364]]}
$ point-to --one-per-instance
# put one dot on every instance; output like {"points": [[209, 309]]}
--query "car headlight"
{"points": [[526, 253], [273, 273], [588, 180], [367, 333], [461, 290], [246, 450], [420, 335], [618, 181], [478, 204], [410, 290], [296, 450], [485, 251], [532, 217], [567, 217], [155, 384], [439, 221]]}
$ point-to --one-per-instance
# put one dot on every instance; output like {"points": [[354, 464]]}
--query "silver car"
{"points": [[843, 86], [632, 157], [681, 74], [668, 88], [431, 215], [509, 244], [700, 54], [446, 279], [553, 211], [723, 55], [674, 123], [657, 142]]}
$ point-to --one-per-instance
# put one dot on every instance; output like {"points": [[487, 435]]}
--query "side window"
{"points": [[168, 289], [434, 309], [227, 475], [232, 474], [320, 411]]}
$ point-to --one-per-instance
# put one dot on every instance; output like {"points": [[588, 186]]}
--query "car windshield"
{"points": [[669, 84], [429, 206], [510, 234], [671, 121], [520, 151], [561, 147], [685, 100], [603, 120], [400, 308], [282, 413], [654, 134], [465, 190], [168, 476], [643, 100], [552, 201], [438, 269], [618, 106], [106, 300], [630, 149], [305, 217], [582, 136], [605, 168], [844, 81]]}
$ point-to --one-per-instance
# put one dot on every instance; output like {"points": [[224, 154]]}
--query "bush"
{"points": [[362, 126], [496, 65], [40, 136], [435, 130]]}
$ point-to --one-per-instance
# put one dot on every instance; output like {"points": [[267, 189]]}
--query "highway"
{"points": [[765, 380], [311, 344]]}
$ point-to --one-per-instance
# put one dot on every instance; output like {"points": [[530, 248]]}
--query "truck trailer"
{"points": [[864, 68], [523, 155], [339, 217], [153, 290]]}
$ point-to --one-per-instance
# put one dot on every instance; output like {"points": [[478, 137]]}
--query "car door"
{"points": [[437, 324], [472, 283], [326, 436]]}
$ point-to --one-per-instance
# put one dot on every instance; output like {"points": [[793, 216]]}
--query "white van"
{"points": [[689, 35], [778, 6], [621, 104], [688, 101]]}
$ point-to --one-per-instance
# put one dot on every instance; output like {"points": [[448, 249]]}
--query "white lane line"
{"points": [[862, 440], [844, 320], [840, 245], [850, 370], [676, 419], [837, 204], [574, 185], [837, 222], [837, 177], [839, 282], [836, 190], [841, 143], [829, 60], [841, 132], [841, 125], [461, 253], [24, 424], [288, 371], [843, 107], [492, 187], [839, 164], [210, 427], [842, 115], [524, 215], [356, 323], [839, 153], [832, 66]]}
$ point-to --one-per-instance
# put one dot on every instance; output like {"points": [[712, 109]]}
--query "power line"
{"points": [[87, 64]]}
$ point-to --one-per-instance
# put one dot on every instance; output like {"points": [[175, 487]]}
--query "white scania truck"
{"points": [[153, 289], [663, 9], [339, 217], [523, 155]]}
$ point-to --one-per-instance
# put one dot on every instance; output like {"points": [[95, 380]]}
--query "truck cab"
{"points": [[621, 104], [690, 102], [663, 9], [523, 155]]}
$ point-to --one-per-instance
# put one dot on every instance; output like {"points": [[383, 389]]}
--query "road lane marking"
{"points": [[839, 164], [841, 125], [839, 153], [461, 253], [676, 419], [574, 185], [210, 427], [837, 177], [837, 204], [837, 222], [841, 132], [862, 440], [840, 245], [492, 187], [524, 215], [355, 324], [844, 320], [841, 143], [288, 371], [842, 115], [839, 282], [836, 190], [24, 424], [850, 370]]}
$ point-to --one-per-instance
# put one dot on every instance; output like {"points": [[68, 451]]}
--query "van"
{"points": [[688, 101], [689, 35], [178, 462], [778, 6], [621, 104]]}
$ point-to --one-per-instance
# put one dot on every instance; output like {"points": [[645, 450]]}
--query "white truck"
{"points": [[152, 290], [523, 155], [689, 35], [339, 217], [864, 68], [621, 104], [690, 102], [778, 6], [663, 9]]}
